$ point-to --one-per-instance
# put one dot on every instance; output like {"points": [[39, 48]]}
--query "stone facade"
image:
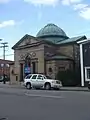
{"points": [[66, 50], [38, 54]]}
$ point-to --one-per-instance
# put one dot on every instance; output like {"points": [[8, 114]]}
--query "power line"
{"points": [[4, 46]]}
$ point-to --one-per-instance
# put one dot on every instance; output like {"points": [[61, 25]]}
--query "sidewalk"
{"points": [[8, 85], [74, 89]]}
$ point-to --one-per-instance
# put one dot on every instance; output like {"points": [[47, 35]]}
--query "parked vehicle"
{"points": [[89, 85], [41, 81], [6, 78]]}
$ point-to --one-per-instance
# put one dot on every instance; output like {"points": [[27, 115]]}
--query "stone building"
{"points": [[47, 53]]}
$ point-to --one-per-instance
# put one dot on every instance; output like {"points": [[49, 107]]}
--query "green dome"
{"points": [[51, 30]]}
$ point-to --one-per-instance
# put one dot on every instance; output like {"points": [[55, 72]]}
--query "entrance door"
{"points": [[33, 67], [27, 67]]}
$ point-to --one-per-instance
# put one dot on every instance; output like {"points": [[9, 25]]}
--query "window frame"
{"points": [[86, 74]]}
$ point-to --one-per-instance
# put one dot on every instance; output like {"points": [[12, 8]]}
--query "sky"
{"points": [[20, 17]]}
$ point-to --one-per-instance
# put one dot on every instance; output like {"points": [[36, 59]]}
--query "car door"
{"points": [[40, 80], [34, 80]]}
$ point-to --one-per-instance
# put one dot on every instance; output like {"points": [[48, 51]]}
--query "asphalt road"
{"points": [[22, 104]]}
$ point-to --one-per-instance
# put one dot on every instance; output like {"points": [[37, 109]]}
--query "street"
{"points": [[22, 104]]}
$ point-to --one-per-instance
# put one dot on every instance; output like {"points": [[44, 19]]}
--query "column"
{"points": [[81, 61], [41, 65], [21, 72]]}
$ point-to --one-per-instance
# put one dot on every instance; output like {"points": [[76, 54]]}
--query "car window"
{"points": [[28, 76], [34, 76], [39, 77], [44, 77]]}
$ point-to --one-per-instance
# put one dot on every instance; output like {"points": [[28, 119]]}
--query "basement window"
{"points": [[61, 68]]}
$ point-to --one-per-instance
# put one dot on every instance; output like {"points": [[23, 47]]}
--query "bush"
{"points": [[69, 77]]}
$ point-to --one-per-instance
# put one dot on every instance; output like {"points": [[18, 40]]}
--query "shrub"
{"points": [[69, 77]]}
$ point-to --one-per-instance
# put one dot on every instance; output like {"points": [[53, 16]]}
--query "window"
{"points": [[39, 77], [50, 70], [34, 76], [87, 73], [7, 65], [28, 76], [2, 65], [61, 68]]}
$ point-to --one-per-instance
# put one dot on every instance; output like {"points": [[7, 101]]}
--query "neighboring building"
{"points": [[47, 53], [85, 60], [5, 67]]}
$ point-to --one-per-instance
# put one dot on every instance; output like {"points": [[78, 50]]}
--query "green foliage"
{"points": [[69, 77]]}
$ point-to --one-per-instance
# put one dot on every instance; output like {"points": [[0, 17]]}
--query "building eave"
{"points": [[22, 39], [83, 41], [67, 41]]}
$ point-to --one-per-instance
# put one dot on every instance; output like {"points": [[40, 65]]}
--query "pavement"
{"points": [[22, 104], [20, 86]]}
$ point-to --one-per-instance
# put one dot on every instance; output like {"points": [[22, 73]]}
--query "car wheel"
{"points": [[28, 85], [47, 86]]}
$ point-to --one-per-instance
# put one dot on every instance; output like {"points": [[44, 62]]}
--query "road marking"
{"points": [[44, 96]]}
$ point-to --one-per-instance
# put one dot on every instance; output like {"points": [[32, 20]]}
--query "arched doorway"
{"points": [[27, 66]]}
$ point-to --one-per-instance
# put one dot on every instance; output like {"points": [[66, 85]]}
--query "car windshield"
{"points": [[28, 76]]}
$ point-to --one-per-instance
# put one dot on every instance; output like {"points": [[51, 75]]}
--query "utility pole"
{"points": [[4, 46]]}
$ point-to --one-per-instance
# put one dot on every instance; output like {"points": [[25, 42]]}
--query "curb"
{"points": [[84, 90], [11, 86], [62, 89]]}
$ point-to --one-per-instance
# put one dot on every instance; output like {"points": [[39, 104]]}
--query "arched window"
{"points": [[50, 69]]}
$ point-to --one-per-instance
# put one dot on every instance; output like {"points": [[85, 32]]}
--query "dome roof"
{"points": [[51, 30]]}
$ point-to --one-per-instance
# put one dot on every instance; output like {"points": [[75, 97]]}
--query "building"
{"points": [[5, 67], [85, 60], [47, 53]]}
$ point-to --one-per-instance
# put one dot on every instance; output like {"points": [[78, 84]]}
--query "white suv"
{"points": [[41, 81]]}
